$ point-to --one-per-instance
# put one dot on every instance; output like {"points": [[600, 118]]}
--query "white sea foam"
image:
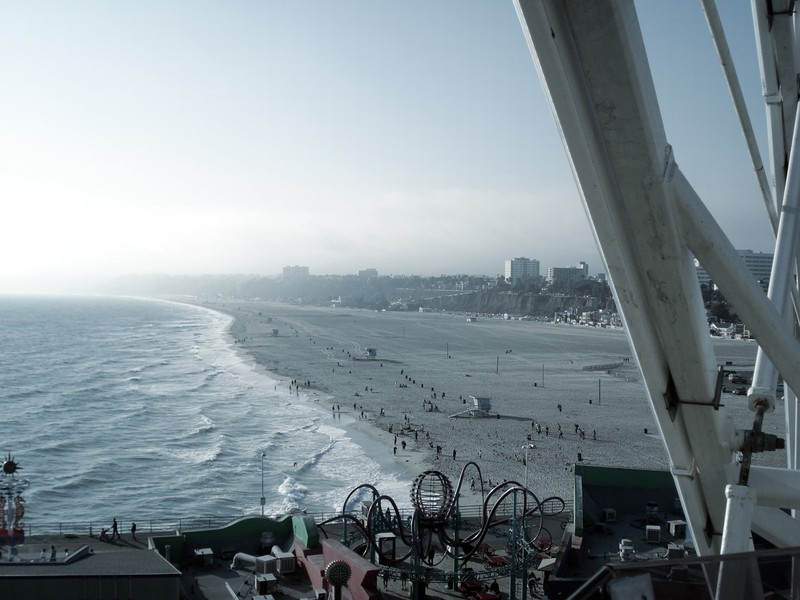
{"points": [[205, 425], [107, 420]]}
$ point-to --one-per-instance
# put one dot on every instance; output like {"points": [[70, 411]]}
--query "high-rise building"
{"points": [[758, 263], [567, 276], [295, 272], [560, 275], [521, 269]]}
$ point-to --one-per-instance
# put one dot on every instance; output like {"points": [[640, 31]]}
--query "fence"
{"points": [[150, 525]]}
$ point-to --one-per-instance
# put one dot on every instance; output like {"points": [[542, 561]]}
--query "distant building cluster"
{"points": [[758, 263], [368, 273], [295, 272], [523, 269]]}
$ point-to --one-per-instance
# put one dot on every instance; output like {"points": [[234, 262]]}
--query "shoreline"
{"points": [[364, 433], [552, 404]]}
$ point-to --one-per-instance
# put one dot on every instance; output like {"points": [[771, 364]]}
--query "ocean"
{"points": [[142, 410]]}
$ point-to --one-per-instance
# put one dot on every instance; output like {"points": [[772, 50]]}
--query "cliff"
{"points": [[494, 302]]}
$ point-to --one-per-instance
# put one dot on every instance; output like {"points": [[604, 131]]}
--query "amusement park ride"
{"points": [[12, 504], [650, 223], [438, 541]]}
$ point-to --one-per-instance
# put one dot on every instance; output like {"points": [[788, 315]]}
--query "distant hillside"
{"points": [[389, 293], [495, 302]]}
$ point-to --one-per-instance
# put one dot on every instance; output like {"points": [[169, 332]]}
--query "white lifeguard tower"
{"points": [[481, 404], [481, 407]]}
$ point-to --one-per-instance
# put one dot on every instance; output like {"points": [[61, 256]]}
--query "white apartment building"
{"points": [[568, 275], [521, 269]]}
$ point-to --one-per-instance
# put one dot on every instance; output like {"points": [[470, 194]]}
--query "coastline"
{"points": [[364, 433], [552, 404]]}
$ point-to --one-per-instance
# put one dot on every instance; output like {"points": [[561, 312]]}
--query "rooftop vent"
{"points": [[653, 533], [609, 515], [626, 551], [677, 528]]}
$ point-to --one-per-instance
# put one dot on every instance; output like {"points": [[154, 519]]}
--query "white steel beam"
{"points": [[593, 65], [732, 579], [772, 98], [724, 53], [646, 219], [775, 487], [776, 525], [765, 376], [718, 256]]}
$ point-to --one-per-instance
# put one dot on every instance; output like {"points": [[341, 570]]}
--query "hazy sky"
{"points": [[241, 136]]}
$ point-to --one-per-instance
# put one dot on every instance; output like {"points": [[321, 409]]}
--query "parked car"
{"points": [[733, 378], [739, 391]]}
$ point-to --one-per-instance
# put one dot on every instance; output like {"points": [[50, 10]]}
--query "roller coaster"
{"points": [[435, 531]]}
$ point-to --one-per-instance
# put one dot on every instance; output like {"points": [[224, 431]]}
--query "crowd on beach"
{"points": [[424, 396], [415, 432]]}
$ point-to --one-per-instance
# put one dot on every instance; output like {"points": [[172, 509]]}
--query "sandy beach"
{"points": [[566, 393]]}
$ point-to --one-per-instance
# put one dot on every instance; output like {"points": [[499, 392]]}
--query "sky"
{"points": [[240, 136]]}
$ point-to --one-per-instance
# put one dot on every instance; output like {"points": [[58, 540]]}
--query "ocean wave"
{"points": [[293, 493], [199, 456], [206, 425], [118, 414], [209, 380], [307, 427]]}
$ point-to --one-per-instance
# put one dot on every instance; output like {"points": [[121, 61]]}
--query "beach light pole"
{"points": [[263, 499], [527, 447]]}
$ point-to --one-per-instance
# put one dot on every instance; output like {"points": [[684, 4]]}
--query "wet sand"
{"points": [[547, 381]]}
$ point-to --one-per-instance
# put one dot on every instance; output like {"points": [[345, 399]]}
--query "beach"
{"points": [[559, 394]]}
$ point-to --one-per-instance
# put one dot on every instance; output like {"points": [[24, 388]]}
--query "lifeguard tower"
{"points": [[481, 407]]}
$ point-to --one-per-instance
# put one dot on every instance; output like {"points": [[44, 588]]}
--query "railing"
{"points": [[696, 577], [143, 525], [150, 525]]}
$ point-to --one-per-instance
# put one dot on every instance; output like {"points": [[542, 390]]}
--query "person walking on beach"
{"points": [[454, 453], [115, 530], [133, 531]]}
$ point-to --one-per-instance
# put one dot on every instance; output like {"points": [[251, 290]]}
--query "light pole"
{"points": [[263, 499], [527, 447]]}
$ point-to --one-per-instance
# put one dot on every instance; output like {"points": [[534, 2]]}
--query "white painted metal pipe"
{"points": [[710, 245], [735, 88], [765, 376], [774, 486], [771, 92], [736, 537]]}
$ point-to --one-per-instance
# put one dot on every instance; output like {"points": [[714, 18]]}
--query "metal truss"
{"points": [[650, 224]]}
